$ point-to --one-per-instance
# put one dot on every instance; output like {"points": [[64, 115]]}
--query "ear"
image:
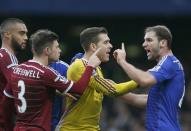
{"points": [[93, 46], [7, 34], [46, 51], [163, 43]]}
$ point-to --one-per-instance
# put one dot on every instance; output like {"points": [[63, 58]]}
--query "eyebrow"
{"points": [[22, 31], [107, 40], [148, 38]]}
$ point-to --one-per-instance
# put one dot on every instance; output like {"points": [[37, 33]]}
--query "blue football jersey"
{"points": [[60, 67], [165, 97], [76, 56]]}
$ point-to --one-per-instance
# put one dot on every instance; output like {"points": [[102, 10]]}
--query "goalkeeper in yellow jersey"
{"points": [[83, 114]]}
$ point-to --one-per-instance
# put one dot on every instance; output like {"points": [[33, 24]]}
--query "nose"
{"points": [[25, 37], [110, 45], [144, 44], [59, 50]]}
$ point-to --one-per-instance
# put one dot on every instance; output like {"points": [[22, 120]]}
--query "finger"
{"points": [[115, 54], [123, 46], [116, 51]]}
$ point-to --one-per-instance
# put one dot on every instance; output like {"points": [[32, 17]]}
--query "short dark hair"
{"points": [[9, 23], [90, 35], [41, 39], [162, 32]]}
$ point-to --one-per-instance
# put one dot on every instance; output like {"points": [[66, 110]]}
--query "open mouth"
{"points": [[108, 52], [148, 52]]}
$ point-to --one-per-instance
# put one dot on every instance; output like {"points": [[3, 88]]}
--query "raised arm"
{"points": [[52, 79], [144, 79]]}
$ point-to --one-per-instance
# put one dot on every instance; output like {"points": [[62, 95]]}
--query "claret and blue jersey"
{"points": [[165, 97]]}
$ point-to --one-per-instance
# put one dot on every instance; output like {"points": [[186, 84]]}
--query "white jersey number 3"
{"points": [[23, 106]]}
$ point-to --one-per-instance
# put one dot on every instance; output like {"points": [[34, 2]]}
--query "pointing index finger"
{"points": [[122, 46]]}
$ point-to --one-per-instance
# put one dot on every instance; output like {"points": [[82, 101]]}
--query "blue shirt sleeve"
{"points": [[164, 70]]}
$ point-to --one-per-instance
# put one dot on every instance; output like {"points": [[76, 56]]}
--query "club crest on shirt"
{"points": [[63, 79]]}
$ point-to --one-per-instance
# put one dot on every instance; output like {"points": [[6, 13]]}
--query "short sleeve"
{"points": [[53, 79], [164, 70]]}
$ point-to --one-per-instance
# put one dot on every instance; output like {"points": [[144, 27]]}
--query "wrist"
{"points": [[122, 61]]}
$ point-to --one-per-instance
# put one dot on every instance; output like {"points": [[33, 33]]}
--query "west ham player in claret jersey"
{"points": [[14, 37], [33, 83]]}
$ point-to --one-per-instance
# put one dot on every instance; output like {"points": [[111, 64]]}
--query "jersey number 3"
{"points": [[23, 106]]}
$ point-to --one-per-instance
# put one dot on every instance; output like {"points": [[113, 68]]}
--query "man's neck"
{"points": [[87, 55], [6, 46], [165, 53], [41, 60]]}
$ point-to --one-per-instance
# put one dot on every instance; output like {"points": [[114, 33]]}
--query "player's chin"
{"points": [[56, 58], [150, 58], [105, 59]]}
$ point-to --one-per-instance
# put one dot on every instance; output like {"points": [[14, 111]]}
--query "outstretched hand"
{"points": [[120, 54], [94, 61]]}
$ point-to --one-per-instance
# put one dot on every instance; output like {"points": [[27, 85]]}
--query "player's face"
{"points": [[106, 46], [54, 52], [151, 45], [19, 37]]}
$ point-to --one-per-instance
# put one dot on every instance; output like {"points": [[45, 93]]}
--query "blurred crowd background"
{"points": [[125, 21]]}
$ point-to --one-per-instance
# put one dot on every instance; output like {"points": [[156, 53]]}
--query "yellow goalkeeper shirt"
{"points": [[84, 114]]}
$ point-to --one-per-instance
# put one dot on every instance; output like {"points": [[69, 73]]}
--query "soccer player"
{"points": [[14, 37], [58, 104], [57, 110], [84, 114], [33, 83], [166, 79]]}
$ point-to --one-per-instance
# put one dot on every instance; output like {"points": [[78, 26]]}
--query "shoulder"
{"points": [[7, 58], [168, 63], [50, 70], [4, 56], [171, 62], [38, 66], [76, 68], [61, 63], [78, 63], [32, 66], [3, 52], [60, 66]]}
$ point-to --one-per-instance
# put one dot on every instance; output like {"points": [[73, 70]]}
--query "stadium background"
{"points": [[125, 21]]}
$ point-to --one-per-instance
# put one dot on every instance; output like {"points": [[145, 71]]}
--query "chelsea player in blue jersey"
{"points": [[57, 110], [166, 80], [61, 67]]}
